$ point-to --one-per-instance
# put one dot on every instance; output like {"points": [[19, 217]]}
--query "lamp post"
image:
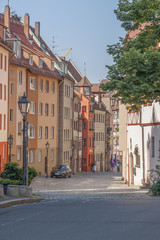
{"points": [[10, 142], [47, 147], [24, 105]]}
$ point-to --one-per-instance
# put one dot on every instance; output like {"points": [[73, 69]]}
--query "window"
{"points": [[18, 52], [32, 109], [52, 109], [67, 112], [41, 85], [11, 115], [53, 87], [52, 132], [1, 61], [0, 121], [47, 86], [32, 132], [5, 92], [153, 150], [31, 60], [4, 127], [52, 155], [84, 108], [46, 132], [18, 153], [46, 109], [40, 132], [19, 128], [40, 156], [0, 91], [5, 63], [52, 65], [12, 89], [84, 126], [19, 77], [32, 83], [40, 108], [4, 151], [84, 142], [32, 156], [40, 62]]}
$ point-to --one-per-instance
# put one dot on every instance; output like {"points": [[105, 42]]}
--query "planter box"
{"points": [[12, 190], [1, 190], [5, 188], [24, 191]]}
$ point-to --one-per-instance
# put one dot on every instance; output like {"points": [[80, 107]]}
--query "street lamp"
{"points": [[24, 105], [10, 142], [47, 147]]}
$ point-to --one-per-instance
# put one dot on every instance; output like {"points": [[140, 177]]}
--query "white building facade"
{"points": [[143, 144]]}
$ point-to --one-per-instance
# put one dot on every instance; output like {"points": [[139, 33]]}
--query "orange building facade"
{"points": [[87, 104]]}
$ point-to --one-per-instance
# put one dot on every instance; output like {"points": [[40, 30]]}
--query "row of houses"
{"points": [[64, 108]]}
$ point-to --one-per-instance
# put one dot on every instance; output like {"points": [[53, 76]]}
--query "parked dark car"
{"points": [[61, 171]]}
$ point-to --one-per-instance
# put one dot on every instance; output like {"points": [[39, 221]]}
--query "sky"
{"points": [[86, 26]]}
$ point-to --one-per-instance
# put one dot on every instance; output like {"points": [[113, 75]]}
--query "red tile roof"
{"points": [[84, 82]]}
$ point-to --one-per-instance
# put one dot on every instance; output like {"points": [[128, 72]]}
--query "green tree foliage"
{"points": [[135, 74], [13, 172]]}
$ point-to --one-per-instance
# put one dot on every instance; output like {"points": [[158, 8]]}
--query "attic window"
{"points": [[31, 60], [52, 65], [17, 49], [40, 62]]}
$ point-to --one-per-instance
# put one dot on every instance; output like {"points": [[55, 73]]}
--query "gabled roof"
{"points": [[28, 44], [84, 82]]}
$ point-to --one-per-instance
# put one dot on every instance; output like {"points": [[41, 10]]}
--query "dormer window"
{"points": [[17, 49], [40, 62], [86, 91], [31, 60], [52, 65]]}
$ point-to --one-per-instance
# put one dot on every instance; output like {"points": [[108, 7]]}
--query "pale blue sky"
{"points": [[86, 26]]}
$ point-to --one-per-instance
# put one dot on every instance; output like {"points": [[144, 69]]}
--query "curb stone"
{"points": [[9, 203]]}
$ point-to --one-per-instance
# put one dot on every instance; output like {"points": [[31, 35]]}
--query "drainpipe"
{"points": [[143, 158]]}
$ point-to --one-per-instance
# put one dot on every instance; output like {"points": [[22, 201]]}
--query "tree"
{"points": [[135, 73]]}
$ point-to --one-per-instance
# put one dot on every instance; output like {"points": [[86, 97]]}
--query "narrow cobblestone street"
{"points": [[87, 185]]}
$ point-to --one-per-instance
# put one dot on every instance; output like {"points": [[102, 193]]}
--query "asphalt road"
{"points": [[87, 219], [86, 207]]}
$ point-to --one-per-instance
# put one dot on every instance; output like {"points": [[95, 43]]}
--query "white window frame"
{"points": [[20, 77], [11, 115], [32, 83], [40, 108], [18, 154], [12, 89], [32, 132], [52, 110], [31, 60], [52, 155], [32, 109], [52, 132], [40, 156], [31, 156], [40, 132]]}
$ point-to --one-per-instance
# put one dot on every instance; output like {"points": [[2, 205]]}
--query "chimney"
{"points": [[7, 17], [1, 31], [26, 24], [37, 29]]}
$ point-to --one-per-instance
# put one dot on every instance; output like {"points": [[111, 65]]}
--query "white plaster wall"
{"points": [[151, 114], [135, 133]]}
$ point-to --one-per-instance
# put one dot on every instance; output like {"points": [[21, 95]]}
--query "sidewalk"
{"points": [[11, 201]]}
